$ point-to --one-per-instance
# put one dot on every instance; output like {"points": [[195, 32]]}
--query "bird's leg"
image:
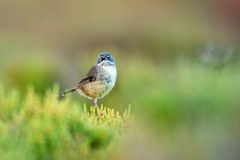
{"points": [[95, 103], [96, 106]]}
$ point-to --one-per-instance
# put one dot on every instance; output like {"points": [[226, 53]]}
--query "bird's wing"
{"points": [[90, 77]]}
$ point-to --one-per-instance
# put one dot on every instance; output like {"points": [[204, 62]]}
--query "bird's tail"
{"points": [[67, 91]]}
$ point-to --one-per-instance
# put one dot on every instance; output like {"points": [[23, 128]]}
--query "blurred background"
{"points": [[177, 62]]}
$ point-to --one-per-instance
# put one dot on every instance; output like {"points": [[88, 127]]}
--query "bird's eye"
{"points": [[103, 58]]}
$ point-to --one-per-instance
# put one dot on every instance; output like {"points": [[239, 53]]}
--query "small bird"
{"points": [[99, 80]]}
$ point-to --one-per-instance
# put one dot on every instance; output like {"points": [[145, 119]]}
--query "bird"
{"points": [[99, 80]]}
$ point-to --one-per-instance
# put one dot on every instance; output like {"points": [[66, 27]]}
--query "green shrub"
{"points": [[51, 129]]}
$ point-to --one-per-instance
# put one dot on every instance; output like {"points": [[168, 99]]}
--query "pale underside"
{"points": [[95, 90]]}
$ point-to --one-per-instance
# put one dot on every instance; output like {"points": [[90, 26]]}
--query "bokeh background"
{"points": [[177, 62]]}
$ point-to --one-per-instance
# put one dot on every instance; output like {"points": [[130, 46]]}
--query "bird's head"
{"points": [[105, 59]]}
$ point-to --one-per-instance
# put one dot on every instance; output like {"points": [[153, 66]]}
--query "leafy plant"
{"points": [[47, 128]]}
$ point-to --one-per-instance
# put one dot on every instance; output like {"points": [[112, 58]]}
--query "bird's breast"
{"points": [[108, 74]]}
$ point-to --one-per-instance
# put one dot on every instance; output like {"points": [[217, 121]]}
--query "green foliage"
{"points": [[192, 109], [27, 73], [52, 129]]}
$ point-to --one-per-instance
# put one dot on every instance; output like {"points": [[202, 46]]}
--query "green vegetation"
{"points": [[191, 110], [45, 128], [187, 104], [186, 109]]}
